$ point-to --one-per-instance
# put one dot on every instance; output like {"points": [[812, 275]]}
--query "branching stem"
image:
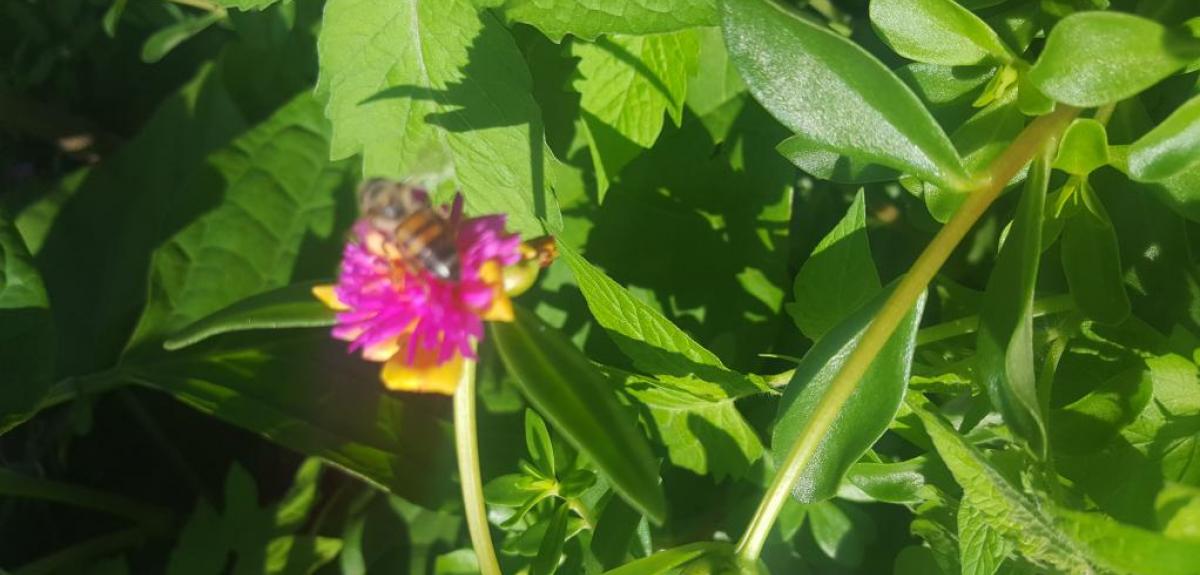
{"points": [[467, 448], [997, 176]]}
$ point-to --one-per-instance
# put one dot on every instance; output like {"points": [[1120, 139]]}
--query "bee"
{"points": [[423, 235]]}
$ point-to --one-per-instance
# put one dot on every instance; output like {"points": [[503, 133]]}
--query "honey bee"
{"points": [[423, 235]]}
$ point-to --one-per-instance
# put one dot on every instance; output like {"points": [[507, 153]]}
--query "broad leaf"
{"points": [[838, 277], [656, 346], [626, 84], [863, 417], [899, 482], [1170, 148], [568, 390], [281, 189], [26, 330], [1097, 58], [1002, 505], [1091, 260], [287, 307], [1084, 148], [1004, 351], [708, 436], [448, 92], [825, 87], [937, 32], [587, 19], [715, 80], [828, 165], [304, 391]]}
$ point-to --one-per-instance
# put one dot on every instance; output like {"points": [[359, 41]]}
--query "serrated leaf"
{"points": [[577, 399], [656, 346], [863, 417], [626, 84], [982, 548], [1084, 147], [1170, 148], [715, 80], [823, 86], [26, 330], [448, 95], [281, 189], [1121, 548], [707, 436], [305, 392], [1096, 58], [1091, 260], [1004, 356], [838, 277], [588, 20], [937, 32], [287, 307], [1002, 505]]}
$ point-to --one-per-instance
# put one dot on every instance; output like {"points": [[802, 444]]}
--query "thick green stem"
{"points": [[467, 448], [999, 173]]}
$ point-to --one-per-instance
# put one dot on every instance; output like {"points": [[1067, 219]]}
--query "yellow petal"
{"points": [[382, 351], [424, 376], [501, 308], [327, 296], [490, 272]]}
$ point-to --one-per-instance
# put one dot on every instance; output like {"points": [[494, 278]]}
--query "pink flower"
{"points": [[419, 325]]}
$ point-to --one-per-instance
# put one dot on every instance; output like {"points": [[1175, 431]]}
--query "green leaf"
{"points": [[292, 510], [715, 80], [823, 86], [514, 489], [667, 560], [900, 482], [112, 17], [838, 277], [1089, 423], [626, 84], [98, 287], [980, 140], [550, 551], [449, 93], [305, 392], [281, 190], [708, 436], [26, 330], [1004, 506], [949, 93], [201, 545], [656, 346], [1091, 260], [587, 20], [864, 416], [1170, 148], [1123, 548], [614, 531], [537, 441], [159, 44], [299, 554], [577, 399], [1178, 511], [290, 306], [1004, 348], [937, 32], [835, 531], [824, 164], [982, 548], [1097, 58], [460, 562], [1084, 148]]}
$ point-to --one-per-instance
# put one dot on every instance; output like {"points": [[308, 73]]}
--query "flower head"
{"points": [[422, 325]]}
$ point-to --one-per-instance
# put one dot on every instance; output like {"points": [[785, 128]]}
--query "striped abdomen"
{"points": [[424, 238]]}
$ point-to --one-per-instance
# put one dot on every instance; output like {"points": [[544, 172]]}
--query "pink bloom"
{"points": [[394, 311]]}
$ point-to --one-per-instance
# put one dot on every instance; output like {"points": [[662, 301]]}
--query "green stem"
{"points": [[153, 518], [970, 324], [913, 284], [467, 446]]}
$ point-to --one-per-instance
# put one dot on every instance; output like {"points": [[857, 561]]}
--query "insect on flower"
{"points": [[417, 281]]}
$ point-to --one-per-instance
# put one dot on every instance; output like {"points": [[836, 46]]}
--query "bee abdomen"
{"points": [[424, 237]]}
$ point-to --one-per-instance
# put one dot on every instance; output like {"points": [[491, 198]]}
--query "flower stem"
{"points": [[997, 176], [467, 448]]}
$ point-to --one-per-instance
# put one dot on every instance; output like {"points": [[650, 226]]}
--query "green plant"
{"points": [[841, 285]]}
